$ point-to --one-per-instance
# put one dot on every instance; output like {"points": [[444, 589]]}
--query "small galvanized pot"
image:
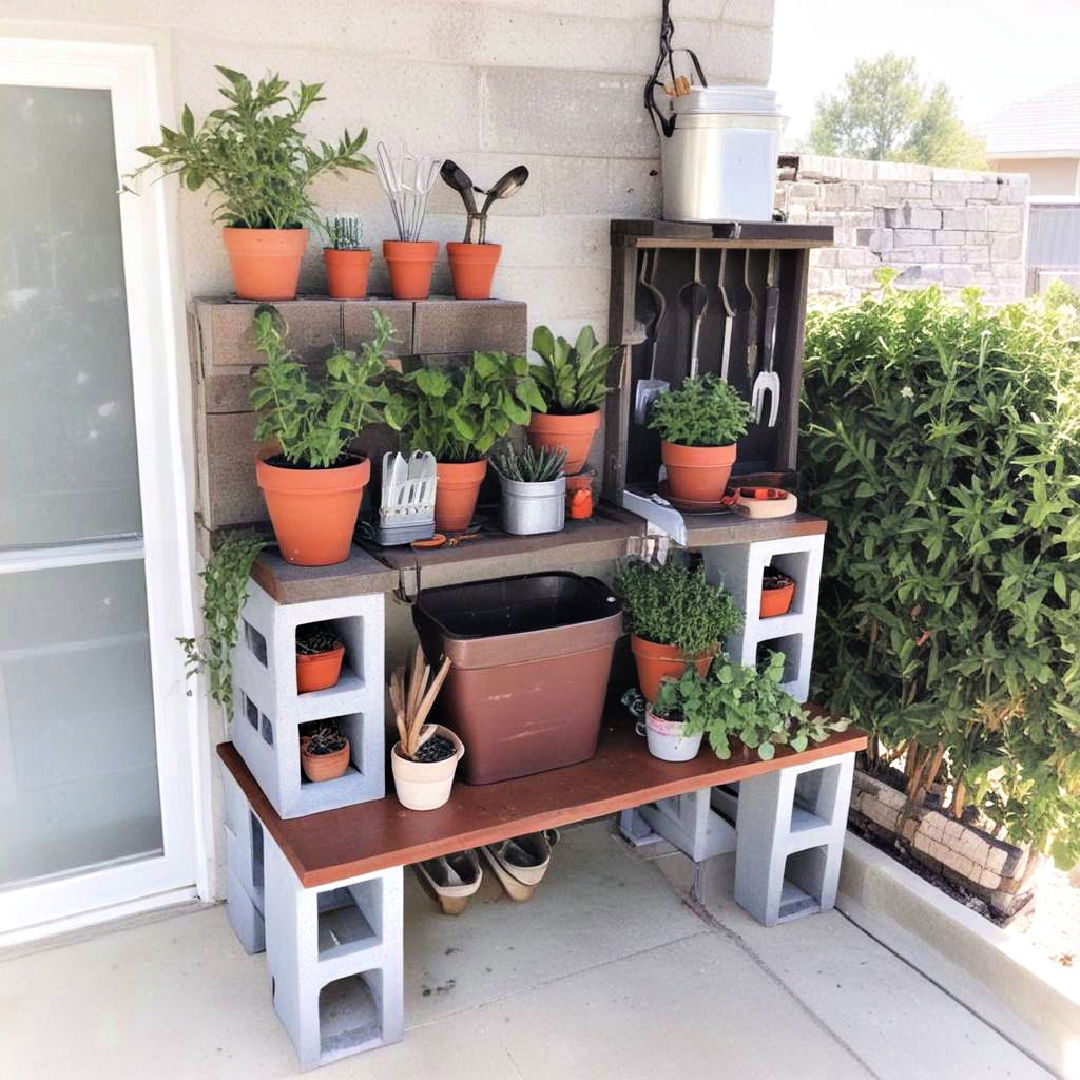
{"points": [[531, 508]]}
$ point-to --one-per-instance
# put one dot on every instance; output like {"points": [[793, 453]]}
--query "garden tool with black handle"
{"points": [[751, 323], [696, 297], [728, 314], [649, 301], [767, 381]]}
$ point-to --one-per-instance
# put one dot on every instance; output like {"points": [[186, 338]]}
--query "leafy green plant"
{"points": [[311, 422], [944, 449], [674, 604], [700, 412], [252, 154], [344, 233], [225, 579], [459, 414], [530, 464], [315, 638], [734, 701], [571, 379]]}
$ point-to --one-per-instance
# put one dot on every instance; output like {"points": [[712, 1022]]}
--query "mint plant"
{"points": [[673, 604], [943, 446], [313, 422], [740, 702], [459, 414], [253, 155], [700, 412], [572, 379]]}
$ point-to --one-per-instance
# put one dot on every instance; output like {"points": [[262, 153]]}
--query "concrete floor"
{"points": [[610, 972]]}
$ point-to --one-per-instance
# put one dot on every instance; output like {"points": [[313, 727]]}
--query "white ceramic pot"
{"points": [[667, 741], [425, 785]]}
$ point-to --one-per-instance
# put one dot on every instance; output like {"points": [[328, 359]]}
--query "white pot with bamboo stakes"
{"points": [[426, 756]]}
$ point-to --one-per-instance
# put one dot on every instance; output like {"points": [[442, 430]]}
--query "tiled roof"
{"points": [[1041, 125]]}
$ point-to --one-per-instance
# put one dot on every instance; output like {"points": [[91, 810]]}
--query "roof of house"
{"points": [[1044, 126]]}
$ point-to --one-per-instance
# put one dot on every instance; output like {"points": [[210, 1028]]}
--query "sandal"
{"points": [[521, 862], [451, 880]]}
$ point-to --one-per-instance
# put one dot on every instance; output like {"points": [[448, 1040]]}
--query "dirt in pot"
{"points": [[774, 579], [315, 638], [437, 748], [322, 737]]}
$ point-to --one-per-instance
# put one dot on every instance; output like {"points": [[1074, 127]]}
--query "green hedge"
{"points": [[942, 442]]}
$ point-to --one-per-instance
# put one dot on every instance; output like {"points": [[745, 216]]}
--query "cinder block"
{"points": [[443, 325], [1006, 219], [949, 237], [690, 823], [905, 238], [1006, 247], [358, 325], [268, 709]]}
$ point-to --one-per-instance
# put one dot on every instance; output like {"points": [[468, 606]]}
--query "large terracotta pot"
{"points": [[320, 767], [318, 671], [347, 273], [313, 511], [410, 264], [698, 473], [654, 661], [472, 267], [265, 262], [574, 432], [456, 492]]}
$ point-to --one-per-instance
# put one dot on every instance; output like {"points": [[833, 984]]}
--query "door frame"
{"points": [[181, 872]]}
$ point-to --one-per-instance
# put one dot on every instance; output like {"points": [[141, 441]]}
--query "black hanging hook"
{"points": [[665, 125]]}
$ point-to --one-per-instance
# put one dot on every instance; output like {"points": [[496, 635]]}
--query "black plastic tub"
{"points": [[531, 656]]}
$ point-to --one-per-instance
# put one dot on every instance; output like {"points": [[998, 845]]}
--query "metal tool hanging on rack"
{"points": [[728, 315], [767, 381], [677, 85], [696, 297], [752, 323], [647, 389]]}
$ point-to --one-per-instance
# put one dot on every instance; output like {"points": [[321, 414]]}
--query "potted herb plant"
{"points": [[667, 719], [733, 702], [699, 423], [458, 415], [347, 260], [319, 655], [324, 750], [677, 618], [573, 382], [533, 489], [472, 265], [253, 156], [777, 592], [426, 756], [313, 487]]}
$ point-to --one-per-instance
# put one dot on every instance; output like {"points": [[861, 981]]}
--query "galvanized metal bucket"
{"points": [[531, 508]]}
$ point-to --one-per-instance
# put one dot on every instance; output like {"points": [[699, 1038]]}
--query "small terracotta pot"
{"points": [[776, 601], [573, 432], [472, 266], [698, 473], [410, 264], [313, 511], [654, 661], [318, 671], [456, 492], [320, 767], [265, 262], [347, 273], [425, 785]]}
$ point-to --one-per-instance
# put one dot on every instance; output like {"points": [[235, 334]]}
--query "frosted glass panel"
{"points": [[69, 467], [78, 771]]}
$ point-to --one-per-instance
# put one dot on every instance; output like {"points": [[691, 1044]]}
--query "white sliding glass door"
{"points": [[96, 729]]}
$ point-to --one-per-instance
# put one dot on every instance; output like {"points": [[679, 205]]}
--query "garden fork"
{"points": [[767, 381]]}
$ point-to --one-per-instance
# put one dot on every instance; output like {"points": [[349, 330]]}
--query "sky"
{"points": [[990, 53]]}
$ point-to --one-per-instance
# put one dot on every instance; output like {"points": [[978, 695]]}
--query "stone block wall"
{"points": [[949, 227]]}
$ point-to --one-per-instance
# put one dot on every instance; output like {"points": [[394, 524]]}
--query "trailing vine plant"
{"points": [[224, 592]]}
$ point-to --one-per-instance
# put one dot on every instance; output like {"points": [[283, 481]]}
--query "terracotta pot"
{"points": [[318, 671], [347, 273], [320, 767], [313, 511], [667, 741], [776, 601], [654, 661], [698, 473], [410, 264], [574, 432], [265, 262], [425, 785], [456, 492], [472, 266]]}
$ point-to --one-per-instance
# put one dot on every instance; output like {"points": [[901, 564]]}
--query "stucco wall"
{"points": [[1049, 176]]}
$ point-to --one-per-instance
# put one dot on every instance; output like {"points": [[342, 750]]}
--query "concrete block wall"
{"points": [[949, 227], [552, 84]]}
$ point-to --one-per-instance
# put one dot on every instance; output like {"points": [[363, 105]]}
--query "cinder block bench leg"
{"points": [[244, 853], [790, 839], [336, 960]]}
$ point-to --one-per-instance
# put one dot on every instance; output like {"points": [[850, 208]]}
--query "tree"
{"points": [[884, 112]]}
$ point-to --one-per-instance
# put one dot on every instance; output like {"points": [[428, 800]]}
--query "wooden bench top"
{"points": [[339, 844]]}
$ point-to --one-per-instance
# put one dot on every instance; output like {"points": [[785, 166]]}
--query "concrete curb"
{"points": [[989, 970]]}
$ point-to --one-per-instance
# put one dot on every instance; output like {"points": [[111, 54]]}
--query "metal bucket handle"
{"points": [[665, 125]]}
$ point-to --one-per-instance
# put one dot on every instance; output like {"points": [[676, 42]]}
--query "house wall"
{"points": [[1049, 176], [945, 226]]}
